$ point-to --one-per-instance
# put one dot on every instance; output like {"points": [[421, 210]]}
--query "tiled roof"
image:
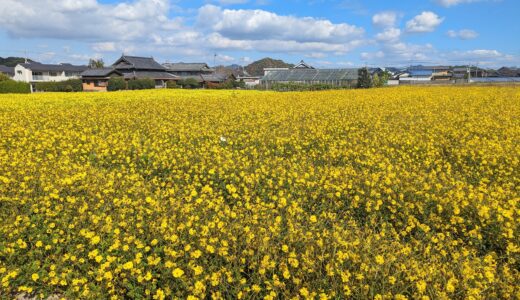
{"points": [[102, 72], [186, 67], [139, 63], [150, 74], [216, 77]]}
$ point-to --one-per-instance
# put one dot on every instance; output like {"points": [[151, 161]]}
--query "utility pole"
{"points": [[215, 60], [469, 73]]}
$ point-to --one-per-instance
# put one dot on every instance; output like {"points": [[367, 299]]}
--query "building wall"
{"points": [[22, 74], [26, 75], [89, 85]]}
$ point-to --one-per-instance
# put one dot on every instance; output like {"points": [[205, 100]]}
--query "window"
{"points": [[19, 72], [70, 74], [54, 74], [100, 83], [37, 75]]}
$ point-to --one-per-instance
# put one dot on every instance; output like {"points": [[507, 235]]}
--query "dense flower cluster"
{"points": [[387, 193]]}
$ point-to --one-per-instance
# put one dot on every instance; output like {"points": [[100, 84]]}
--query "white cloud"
{"points": [[224, 58], [372, 55], [104, 47], [85, 19], [449, 3], [231, 2], [385, 19], [217, 41], [464, 34], [264, 25], [389, 35], [427, 21]]}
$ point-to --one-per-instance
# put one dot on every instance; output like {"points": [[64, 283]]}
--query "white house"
{"points": [[33, 72], [250, 81]]}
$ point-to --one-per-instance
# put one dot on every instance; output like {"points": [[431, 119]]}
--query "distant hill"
{"points": [[228, 70], [12, 61], [257, 68]]}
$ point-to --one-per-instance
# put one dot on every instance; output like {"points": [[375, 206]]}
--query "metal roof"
{"points": [[6, 70], [214, 77], [180, 67], [311, 75], [423, 72], [495, 79], [150, 74], [102, 72], [139, 63], [38, 67]]}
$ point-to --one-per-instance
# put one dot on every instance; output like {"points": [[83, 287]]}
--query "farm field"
{"points": [[401, 193]]}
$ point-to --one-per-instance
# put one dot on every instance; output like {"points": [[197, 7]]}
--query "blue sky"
{"points": [[325, 33]]}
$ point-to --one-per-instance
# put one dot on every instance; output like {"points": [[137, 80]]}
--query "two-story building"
{"points": [[127, 67], [34, 72]]}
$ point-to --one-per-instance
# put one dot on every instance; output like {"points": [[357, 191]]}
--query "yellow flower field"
{"points": [[386, 193]]}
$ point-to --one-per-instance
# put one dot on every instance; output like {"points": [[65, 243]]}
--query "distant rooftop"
{"points": [[7, 70], [137, 62], [303, 65], [101, 72], [39, 67], [187, 67], [311, 75]]}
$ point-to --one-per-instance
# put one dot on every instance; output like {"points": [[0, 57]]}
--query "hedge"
{"points": [[14, 87], [141, 84], [171, 84], [227, 85], [116, 84], [188, 83], [294, 86], [71, 85]]}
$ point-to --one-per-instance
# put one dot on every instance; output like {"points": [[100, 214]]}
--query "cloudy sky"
{"points": [[325, 33]]}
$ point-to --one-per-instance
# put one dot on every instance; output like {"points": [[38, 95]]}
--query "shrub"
{"points": [[141, 84], [171, 84], [300, 87], [14, 87], [116, 84], [4, 77], [227, 85], [71, 85], [189, 83]]}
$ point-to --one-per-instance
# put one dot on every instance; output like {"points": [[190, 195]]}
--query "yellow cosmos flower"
{"points": [[177, 273], [128, 266]]}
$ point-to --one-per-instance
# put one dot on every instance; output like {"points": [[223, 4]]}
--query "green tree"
{"points": [[364, 80], [116, 84], [385, 76], [96, 63], [4, 77], [188, 83], [376, 81]]}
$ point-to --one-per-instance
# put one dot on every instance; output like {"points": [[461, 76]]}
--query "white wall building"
{"points": [[36, 72]]}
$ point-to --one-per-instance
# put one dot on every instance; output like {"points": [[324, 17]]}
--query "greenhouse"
{"points": [[336, 77]]}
